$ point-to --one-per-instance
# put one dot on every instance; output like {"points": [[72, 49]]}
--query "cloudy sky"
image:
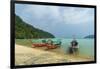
{"points": [[63, 22]]}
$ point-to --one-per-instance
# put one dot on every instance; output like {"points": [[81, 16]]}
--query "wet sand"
{"points": [[31, 56]]}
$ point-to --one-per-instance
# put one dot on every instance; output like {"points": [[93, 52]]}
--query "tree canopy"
{"points": [[26, 31]]}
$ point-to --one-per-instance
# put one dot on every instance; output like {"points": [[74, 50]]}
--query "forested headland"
{"points": [[24, 30]]}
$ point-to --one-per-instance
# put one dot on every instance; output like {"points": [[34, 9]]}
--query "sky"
{"points": [[62, 22]]}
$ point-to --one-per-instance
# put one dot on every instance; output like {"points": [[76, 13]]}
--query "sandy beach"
{"points": [[30, 56]]}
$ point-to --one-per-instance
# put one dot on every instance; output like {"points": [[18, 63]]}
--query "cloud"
{"points": [[68, 15], [78, 15], [57, 20]]}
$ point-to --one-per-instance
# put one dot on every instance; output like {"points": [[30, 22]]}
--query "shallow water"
{"points": [[86, 46]]}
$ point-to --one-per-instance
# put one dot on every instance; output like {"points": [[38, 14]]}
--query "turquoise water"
{"points": [[86, 46]]}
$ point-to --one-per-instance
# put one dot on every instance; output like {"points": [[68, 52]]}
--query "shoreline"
{"points": [[29, 56]]}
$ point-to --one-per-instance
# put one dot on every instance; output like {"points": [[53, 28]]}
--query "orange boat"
{"points": [[39, 45], [52, 46], [49, 46]]}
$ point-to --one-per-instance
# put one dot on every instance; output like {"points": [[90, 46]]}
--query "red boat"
{"points": [[49, 46], [52, 46], [39, 45]]}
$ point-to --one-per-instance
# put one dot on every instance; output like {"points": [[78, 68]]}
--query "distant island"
{"points": [[89, 36], [27, 31]]}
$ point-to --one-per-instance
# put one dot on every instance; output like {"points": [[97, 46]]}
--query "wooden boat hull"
{"points": [[38, 45], [49, 46]]}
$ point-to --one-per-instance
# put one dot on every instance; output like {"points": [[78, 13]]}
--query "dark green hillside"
{"points": [[89, 36], [26, 31]]}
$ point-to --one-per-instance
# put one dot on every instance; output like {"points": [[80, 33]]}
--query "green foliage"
{"points": [[89, 36], [27, 31]]}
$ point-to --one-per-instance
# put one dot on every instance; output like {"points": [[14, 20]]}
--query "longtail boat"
{"points": [[54, 45], [49, 46], [39, 44]]}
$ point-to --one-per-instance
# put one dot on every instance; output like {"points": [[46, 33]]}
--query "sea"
{"points": [[86, 46]]}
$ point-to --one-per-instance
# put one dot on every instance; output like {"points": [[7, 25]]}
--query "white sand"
{"points": [[30, 56]]}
